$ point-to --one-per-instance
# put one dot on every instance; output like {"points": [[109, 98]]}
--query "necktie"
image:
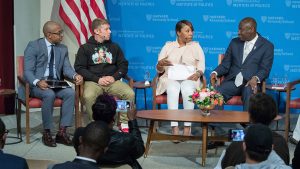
{"points": [[51, 75], [247, 50], [239, 77]]}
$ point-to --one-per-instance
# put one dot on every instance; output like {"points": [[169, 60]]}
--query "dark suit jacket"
{"points": [[258, 62], [36, 60], [76, 164], [9, 161]]}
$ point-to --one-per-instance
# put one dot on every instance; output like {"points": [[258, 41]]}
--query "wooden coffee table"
{"points": [[217, 116]]}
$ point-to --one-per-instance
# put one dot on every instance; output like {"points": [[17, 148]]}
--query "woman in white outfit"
{"points": [[187, 54]]}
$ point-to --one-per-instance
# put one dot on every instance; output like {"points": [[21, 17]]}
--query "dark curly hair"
{"points": [[262, 108], [104, 108]]}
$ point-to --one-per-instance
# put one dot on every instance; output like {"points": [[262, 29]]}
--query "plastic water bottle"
{"points": [[147, 78]]}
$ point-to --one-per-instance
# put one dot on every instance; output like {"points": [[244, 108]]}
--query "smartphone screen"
{"points": [[123, 105], [236, 134]]}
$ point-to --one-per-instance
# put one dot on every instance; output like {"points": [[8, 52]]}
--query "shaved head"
{"points": [[247, 29], [249, 22], [53, 32], [49, 26]]}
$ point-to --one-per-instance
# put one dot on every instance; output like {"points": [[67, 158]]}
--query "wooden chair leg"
{"points": [[77, 111], [18, 113], [287, 125], [27, 126]]}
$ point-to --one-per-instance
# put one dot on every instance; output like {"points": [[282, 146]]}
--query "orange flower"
{"points": [[216, 102]]}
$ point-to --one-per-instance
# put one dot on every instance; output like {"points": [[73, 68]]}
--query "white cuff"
{"points": [[36, 81], [214, 73]]}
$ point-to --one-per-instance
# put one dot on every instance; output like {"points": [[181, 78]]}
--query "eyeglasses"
{"points": [[60, 33]]}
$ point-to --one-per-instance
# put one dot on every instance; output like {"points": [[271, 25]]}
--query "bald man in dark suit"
{"points": [[248, 61]]}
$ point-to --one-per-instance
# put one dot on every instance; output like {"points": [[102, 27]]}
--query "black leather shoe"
{"points": [[219, 143], [293, 141], [48, 140], [211, 145], [215, 144], [63, 138]]}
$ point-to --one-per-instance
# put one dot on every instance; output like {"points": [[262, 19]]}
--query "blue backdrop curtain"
{"points": [[6, 55]]}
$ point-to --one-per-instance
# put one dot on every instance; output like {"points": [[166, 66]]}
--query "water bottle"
{"points": [[147, 77]]}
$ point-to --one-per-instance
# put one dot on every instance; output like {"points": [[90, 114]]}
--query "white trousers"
{"points": [[187, 88], [296, 132]]}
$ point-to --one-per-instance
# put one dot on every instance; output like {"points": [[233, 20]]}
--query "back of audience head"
{"points": [[75, 140], [258, 142], [262, 109], [104, 108], [3, 133], [95, 139]]}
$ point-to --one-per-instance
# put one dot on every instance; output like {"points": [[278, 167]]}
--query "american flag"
{"points": [[79, 14]]}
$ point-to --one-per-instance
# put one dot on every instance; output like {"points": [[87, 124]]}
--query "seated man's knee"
{"points": [[70, 92], [49, 94], [248, 89], [125, 93], [130, 94], [89, 94]]}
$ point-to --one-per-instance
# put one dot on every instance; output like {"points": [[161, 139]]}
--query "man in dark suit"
{"points": [[247, 62], [8, 161], [92, 145], [46, 58]]}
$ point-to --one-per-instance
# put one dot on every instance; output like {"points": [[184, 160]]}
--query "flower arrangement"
{"points": [[207, 98]]}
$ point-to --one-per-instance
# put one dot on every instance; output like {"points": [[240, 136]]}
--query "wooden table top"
{"points": [[216, 116], [280, 88], [7, 91], [141, 85]]}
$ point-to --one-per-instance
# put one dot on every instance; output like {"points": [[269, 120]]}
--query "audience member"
{"points": [[296, 159], [92, 145], [9, 161], [47, 59], [257, 147], [102, 64], [247, 62], [262, 109], [124, 148], [183, 52]]}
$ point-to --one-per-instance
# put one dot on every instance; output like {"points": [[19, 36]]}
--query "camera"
{"points": [[123, 105], [236, 134]]}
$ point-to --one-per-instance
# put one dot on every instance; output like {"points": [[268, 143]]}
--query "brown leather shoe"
{"points": [[48, 140], [63, 138]]}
